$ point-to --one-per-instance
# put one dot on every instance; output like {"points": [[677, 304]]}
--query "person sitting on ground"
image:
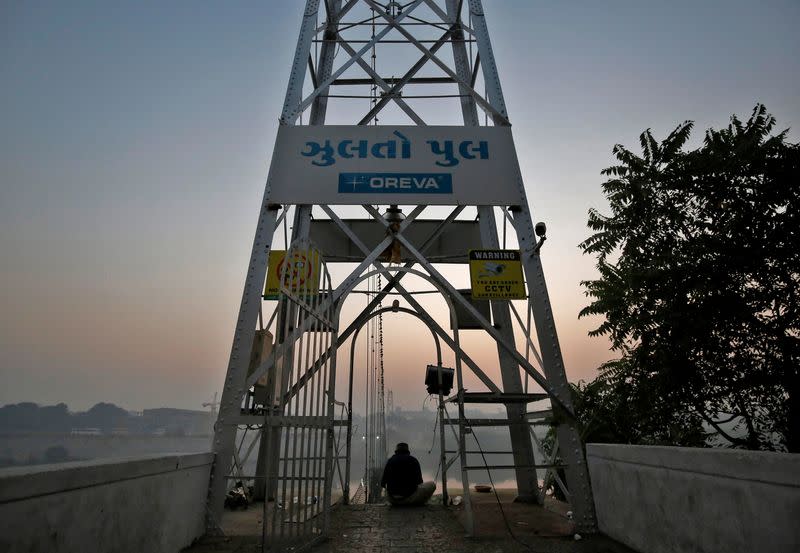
{"points": [[402, 478]]}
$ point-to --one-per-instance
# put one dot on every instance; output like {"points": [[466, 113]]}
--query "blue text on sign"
{"points": [[395, 183]]}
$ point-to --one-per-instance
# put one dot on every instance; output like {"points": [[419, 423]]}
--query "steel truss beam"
{"points": [[391, 92], [527, 483], [498, 117], [390, 285], [454, 31], [463, 72], [349, 283], [295, 113]]}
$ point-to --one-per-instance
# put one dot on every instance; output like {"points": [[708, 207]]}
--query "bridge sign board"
{"points": [[432, 165], [496, 275], [301, 275]]}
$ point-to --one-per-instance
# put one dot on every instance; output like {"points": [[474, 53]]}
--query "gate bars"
{"points": [[300, 428]]}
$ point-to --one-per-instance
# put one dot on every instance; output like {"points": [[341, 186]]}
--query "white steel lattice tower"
{"points": [[434, 57]]}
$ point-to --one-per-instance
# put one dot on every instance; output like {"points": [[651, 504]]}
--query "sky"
{"points": [[136, 138]]}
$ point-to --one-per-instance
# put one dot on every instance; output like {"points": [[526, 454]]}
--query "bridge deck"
{"points": [[429, 529]]}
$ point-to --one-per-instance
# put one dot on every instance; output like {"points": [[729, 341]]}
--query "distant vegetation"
{"points": [[103, 418], [31, 434], [699, 288]]}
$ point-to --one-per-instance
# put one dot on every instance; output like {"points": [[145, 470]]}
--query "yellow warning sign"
{"points": [[300, 274], [496, 275]]}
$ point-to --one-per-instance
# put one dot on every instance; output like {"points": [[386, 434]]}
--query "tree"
{"points": [[604, 409], [699, 282], [607, 412], [105, 416], [30, 417]]}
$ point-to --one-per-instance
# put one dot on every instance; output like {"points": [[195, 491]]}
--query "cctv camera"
{"points": [[541, 229]]}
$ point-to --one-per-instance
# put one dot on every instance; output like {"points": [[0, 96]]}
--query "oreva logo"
{"points": [[395, 183]]}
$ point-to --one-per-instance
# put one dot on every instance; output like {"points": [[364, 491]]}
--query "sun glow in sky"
{"points": [[136, 137]]}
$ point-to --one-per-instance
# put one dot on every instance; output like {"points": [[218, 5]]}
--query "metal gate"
{"points": [[299, 417]]}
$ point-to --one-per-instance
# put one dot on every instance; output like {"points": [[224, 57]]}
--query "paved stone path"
{"points": [[429, 529], [432, 529]]}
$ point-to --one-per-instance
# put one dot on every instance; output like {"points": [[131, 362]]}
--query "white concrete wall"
{"points": [[674, 499], [154, 504]]}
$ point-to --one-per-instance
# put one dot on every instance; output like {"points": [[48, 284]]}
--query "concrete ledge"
{"points": [[760, 466], [154, 503], [664, 499], [27, 482]]}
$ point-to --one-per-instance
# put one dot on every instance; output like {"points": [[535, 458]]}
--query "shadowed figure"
{"points": [[402, 478]]}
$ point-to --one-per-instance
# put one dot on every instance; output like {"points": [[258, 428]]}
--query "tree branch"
{"points": [[720, 431]]}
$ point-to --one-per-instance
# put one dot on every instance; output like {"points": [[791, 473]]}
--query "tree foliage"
{"points": [[699, 282]]}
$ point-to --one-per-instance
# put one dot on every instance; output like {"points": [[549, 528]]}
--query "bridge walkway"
{"points": [[429, 529]]}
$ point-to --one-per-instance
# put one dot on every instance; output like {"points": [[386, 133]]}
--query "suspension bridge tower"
{"points": [[394, 159]]}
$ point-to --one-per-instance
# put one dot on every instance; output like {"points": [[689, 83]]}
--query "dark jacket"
{"points": [[402, 475]]}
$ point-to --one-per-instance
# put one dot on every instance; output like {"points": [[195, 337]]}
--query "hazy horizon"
{"points": [[136, 140]]}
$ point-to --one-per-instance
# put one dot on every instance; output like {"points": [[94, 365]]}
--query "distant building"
{"points": [[85, 431], [182, 422]]}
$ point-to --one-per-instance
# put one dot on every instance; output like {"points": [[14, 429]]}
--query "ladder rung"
{"points": [[499, 467], [252, 477], [295, 421], [309, 458], [489, 422], [542, 413], [484, 452], [395, 80], [492, 397]]}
